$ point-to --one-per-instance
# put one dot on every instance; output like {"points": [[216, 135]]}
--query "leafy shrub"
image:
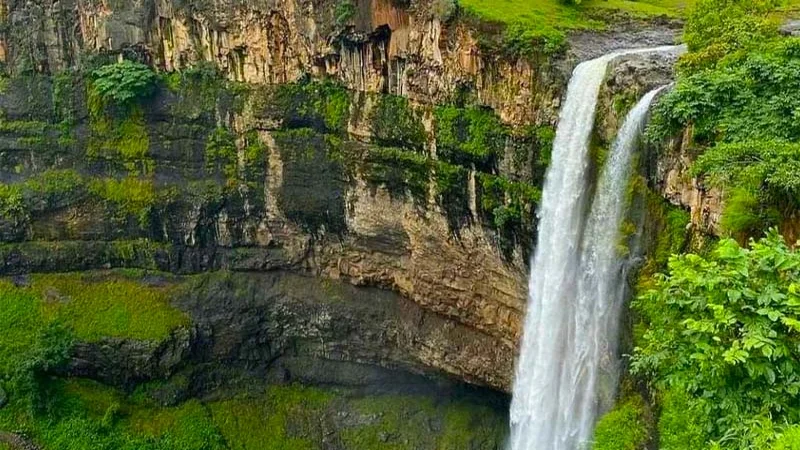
{"points": [[725, 330], [124, 82], [683, 422], [719, 27], [622, 428]]}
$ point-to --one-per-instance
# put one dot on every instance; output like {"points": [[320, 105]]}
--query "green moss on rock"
{"points": [[624, 427], [321, 105], [394, 123], [470, 137], [120, 140], [312, 192], [402, 173], [266, 423]]}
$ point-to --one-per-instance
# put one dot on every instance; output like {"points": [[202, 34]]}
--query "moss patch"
{"points": [[93, 305], [312, 192], [470, 137], [398, 422], [122, 139], [394, 123], [265, 423], [321, 105]]}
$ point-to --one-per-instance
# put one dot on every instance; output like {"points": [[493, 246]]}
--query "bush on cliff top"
{"points": [[739, 93]]}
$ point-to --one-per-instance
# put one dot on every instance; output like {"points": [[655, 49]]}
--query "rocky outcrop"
{"points": [[435, 292], [292, 327], [383, 48], [124, 362], [680, 188]]}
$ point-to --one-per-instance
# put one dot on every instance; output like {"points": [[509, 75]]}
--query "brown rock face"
{"points": [[399, 51]]}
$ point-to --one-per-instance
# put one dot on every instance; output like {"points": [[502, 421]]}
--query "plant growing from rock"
{"points": [[124, 82]]}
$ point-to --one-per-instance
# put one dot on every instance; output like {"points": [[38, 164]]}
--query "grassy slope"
{"points": [[87, 415], [545, 17], [92, 305]]}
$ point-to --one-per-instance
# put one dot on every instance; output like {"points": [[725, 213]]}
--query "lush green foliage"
{"points": [[748, 96], [124, 82], [683, 422], [623, 428], [739, 94], [725, 330], [720, 27], [507, 204]]}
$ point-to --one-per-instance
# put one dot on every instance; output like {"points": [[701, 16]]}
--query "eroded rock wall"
{"points": [[333, 201]]}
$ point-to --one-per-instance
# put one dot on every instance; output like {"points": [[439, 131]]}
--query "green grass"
{"points": [[553, 14], [109, 305], [542, 23], [20, 321], [94, 305], [262, 423]]}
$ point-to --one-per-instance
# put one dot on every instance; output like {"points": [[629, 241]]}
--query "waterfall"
{"points": [[575, 290]]}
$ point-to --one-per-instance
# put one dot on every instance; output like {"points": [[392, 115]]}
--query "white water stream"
{"points": [[576, 285]]}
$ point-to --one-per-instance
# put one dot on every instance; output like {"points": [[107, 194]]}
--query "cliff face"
{"points": [[382, 48], [362, 179]]}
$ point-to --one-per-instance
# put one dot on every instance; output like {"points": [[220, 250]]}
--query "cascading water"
{"points": [[575, 284]]}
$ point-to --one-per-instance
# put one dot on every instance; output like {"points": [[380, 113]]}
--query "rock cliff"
{"points": [[387, 153]]}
